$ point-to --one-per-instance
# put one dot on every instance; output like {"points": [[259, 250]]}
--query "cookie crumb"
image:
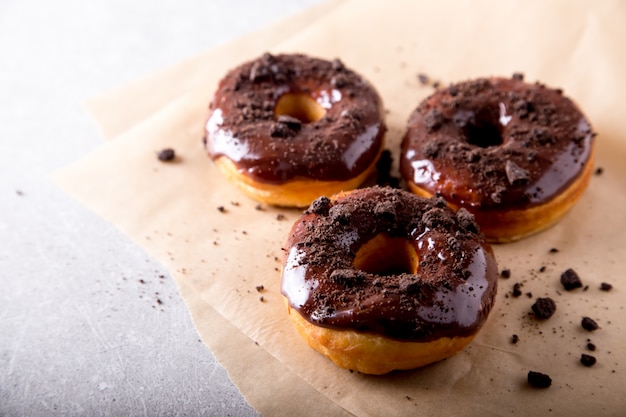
{"points": [[599, 171], [553, 250], [260, 288], [544, 308], [587, 360], [221, 209], [589, 324], [280, 217], [517, 289], [605, 286], [570, 280], [591, 346], [514, 339], [166, 155], [505, 273], [539, 380]]}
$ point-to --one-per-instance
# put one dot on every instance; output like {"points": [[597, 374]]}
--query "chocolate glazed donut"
{"points": [[289, 128], [516, 155], [379, 279]]}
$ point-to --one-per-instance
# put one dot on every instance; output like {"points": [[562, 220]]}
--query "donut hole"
{"points": [[384, 255], [484, 134], [483, 128], [300, 106]]}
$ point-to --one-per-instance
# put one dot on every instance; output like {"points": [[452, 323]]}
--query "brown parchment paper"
{"points": [[217, 259]]}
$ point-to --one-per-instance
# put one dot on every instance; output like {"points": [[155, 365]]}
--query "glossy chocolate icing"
{"points": [[242, 125], [451, 294], [497, 143]]}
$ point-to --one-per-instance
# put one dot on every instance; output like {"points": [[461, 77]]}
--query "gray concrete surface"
{"points": [[80, 335]]}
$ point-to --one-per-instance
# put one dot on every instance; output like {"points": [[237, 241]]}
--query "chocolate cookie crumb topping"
{"points": [[514, 339], [589, 324], [570, 280], [591, 346], [517, 289], [337, 65], [291, 122], [433, 120], [515, 174], [280, 130], [539, 380], [466, 220], [605, 286], [348, 277], [320, 206], [544, 308], [553, 250], [506, 273]]}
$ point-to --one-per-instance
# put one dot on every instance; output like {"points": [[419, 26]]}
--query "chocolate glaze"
{"points": [[242, 125], [497, 143], [451, 294]]}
